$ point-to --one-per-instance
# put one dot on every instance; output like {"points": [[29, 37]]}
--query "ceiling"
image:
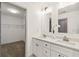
{"points": [[10, 9], [69, 8]]}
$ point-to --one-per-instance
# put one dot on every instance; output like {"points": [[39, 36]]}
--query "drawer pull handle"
{"points": [[45, 44]]}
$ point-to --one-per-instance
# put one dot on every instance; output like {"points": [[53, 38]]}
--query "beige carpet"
{"points": [[16, 49]]}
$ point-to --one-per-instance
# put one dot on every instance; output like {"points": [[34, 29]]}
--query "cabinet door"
{"points": [[56, 54], [66, 51]]}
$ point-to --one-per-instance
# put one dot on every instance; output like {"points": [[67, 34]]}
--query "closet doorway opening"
{"points": [[13, 30]]}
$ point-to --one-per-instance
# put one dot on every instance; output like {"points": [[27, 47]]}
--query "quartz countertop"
{"points": [[72, 45]]}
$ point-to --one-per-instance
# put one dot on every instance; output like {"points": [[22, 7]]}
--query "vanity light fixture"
{"points": [[46, 10], [13, 10]]}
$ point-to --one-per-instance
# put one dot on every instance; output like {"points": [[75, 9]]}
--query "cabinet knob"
{"points": [[59, 55], [45, 44]]}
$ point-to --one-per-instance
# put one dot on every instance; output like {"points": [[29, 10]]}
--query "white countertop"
{"points": [[56, 41]]}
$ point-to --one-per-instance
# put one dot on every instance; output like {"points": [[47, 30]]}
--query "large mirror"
{"points": [[68, 19]]}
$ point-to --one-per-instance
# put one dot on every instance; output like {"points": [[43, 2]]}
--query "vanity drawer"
{"points": [[38, 42], [42, 43], [46, 52], [46, 44]]}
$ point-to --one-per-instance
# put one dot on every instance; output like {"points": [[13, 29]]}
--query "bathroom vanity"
{"points": [[49, 47], [66, 23]]}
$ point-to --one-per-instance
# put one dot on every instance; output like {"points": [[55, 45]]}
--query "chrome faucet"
{"points": [[65, 38], [55, 26]]}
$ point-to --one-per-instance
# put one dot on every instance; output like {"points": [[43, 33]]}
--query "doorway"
{"points": [[13, 34]]}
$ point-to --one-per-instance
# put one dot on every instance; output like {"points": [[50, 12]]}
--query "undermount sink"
{"points": [[67, 42]]}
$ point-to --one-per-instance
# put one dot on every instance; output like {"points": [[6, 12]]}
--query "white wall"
{"points": [[12, 29], [33, 20]]}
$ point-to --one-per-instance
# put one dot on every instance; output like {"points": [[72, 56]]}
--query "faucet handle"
{"points": [[65, 38], [44, 35]]}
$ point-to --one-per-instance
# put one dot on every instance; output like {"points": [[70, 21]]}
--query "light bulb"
{"points": [[13, 10]]}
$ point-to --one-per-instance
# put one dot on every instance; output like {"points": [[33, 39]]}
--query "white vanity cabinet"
{"points": [[41, 48]]}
